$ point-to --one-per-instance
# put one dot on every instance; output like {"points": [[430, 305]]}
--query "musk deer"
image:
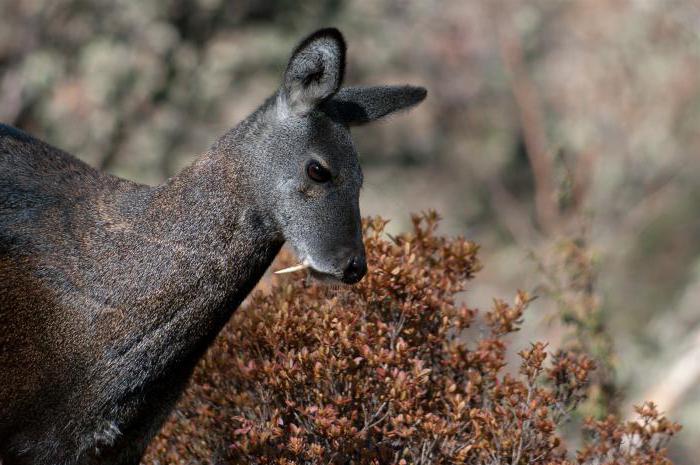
{"points": [[111, 291]]}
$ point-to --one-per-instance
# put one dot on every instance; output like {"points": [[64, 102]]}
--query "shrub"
{"points": [[383, 372]]}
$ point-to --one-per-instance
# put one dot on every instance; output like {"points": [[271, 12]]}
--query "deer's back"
{"points": [[47, 200], [46, 203], [35, 175]]}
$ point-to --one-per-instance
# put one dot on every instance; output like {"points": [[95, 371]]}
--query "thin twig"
{"points": [[531, 119]]}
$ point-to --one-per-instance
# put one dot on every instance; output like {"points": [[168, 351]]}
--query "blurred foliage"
{"points": [[545, 118], [570, 280]]}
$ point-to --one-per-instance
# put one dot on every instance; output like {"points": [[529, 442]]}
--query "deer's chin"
{"points": [[324, 277]]}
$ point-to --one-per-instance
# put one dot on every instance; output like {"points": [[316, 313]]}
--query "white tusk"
{"points": [[292, 269]]}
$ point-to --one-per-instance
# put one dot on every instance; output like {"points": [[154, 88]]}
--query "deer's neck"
{"points": [[201, 245]]}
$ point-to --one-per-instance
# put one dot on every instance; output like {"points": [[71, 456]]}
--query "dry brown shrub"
{"points": [[381, 373]]}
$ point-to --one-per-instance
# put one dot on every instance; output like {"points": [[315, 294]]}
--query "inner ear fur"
{"points": [[315, 70]]}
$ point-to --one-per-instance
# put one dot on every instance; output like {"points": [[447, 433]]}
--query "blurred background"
{"points": [[563, 136]]}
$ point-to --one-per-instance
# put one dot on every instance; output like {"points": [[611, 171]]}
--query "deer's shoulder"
{"points": [[28, 162], [44, 191]]}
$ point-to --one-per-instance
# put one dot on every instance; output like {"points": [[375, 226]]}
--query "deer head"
{"points": [[305, 167]]}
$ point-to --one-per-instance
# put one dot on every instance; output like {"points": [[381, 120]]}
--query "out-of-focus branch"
{"points": [[658, 195], [583, 173], [511, 214], [11, 103], [531, 119], [679, 379]]}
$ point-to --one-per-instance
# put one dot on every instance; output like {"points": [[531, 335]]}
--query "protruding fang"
{"points": [[292, 269]]}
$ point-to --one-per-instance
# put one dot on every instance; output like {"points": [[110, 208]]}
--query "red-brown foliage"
{"points": [[382, 373]]}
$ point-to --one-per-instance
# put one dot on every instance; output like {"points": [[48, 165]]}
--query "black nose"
{"points": [[355, 270]]}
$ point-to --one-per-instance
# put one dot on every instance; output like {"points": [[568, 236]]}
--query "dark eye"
{"points": [[317, 172]]}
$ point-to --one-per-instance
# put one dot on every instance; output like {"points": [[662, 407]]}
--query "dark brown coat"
{"points": [[109, 293]]}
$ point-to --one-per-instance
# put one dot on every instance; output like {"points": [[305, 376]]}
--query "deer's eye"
{"points": [[317, 172]]}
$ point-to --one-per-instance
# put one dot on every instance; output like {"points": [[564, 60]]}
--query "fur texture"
{"points": [[111, 291]]}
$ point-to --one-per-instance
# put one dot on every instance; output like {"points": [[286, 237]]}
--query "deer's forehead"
{"points": [[321, 135], [335, 142]]}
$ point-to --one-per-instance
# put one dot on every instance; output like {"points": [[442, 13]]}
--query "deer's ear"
{"points": [[360, 105], [315, 71]]}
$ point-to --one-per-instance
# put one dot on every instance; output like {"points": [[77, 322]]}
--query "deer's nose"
{"points": [[355, 270]]}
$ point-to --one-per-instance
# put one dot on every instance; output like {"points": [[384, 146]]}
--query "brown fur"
{"points": [[97, 276]]}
